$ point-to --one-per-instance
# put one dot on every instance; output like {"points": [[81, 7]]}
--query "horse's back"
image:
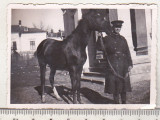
{"points": [[51, 52]]}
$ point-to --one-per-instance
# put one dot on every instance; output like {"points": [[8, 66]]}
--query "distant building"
{"points": [[26, 39], [58, 36]]}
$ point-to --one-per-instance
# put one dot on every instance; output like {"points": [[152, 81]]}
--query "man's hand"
{"points": [[129, 68], [126, 75]]}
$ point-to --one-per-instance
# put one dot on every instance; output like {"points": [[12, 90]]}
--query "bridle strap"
{"points": [[108, 61]]}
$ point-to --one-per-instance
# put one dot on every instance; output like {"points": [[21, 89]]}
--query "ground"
{"points": [[25, 89]]}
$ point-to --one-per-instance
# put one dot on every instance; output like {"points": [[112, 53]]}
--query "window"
{"points": [[14, 47], [25, 29], [32, 45]]}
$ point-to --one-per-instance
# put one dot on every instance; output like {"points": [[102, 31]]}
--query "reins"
{"points": [[108, 61]]}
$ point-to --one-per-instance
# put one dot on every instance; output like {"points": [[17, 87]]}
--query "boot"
{"points": [[123, 97], [116, 98]]}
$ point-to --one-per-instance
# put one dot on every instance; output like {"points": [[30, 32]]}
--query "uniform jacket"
{"points": [[119, 56]]}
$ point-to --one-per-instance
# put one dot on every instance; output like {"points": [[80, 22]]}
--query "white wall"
{"points": [[23, 42]]}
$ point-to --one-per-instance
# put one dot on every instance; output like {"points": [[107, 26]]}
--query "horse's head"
{"points": [[98, 20]]}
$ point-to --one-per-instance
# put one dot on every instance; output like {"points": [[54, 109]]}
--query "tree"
{"points": [[34, 25], [41, 26]]}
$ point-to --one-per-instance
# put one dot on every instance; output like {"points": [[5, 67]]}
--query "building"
{"points": [[57, 36], [137, 29], [26, 39]]}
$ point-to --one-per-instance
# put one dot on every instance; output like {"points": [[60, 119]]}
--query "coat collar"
{"points": [[115, 35]]}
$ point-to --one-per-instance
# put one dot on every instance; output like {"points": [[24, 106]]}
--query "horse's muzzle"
{"points": [[106, 27]]}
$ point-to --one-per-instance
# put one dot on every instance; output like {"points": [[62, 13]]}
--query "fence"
{"points": [[23, 59]]}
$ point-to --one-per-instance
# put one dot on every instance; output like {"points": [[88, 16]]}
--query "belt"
{"points": [[118, 52]]}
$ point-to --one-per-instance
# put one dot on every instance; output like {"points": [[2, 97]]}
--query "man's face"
{"points": [[117, 29]]}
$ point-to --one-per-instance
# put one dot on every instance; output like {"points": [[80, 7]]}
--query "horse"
{"points": [[70, 53]]}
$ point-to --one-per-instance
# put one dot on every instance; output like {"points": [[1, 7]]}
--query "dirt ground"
{"points": [[25, 89]]}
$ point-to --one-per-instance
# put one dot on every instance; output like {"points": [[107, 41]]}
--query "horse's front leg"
{"points": [[79, 84], [73, 76], [51, 78]]}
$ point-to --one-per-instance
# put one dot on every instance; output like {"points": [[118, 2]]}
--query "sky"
{"points": [[49, 18]]}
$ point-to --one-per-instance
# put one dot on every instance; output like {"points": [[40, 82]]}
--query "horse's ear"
{"points": [[92, 10], [88, 12], [102, 12]]}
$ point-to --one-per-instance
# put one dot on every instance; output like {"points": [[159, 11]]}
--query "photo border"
{"points": [[152, 104]]}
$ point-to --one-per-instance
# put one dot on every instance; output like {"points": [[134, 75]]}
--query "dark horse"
{"points": [[70, 53]]}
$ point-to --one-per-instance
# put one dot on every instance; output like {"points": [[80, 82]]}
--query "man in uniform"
{"points": [[119, 63]]}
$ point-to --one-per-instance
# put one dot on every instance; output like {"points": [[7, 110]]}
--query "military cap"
{"points": [[117, 23]]}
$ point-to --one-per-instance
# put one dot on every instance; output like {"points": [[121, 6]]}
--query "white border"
{"points": [[152, 104]]}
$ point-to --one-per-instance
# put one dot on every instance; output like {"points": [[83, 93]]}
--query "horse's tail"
{"points": [[39, 50], [35, 53]]}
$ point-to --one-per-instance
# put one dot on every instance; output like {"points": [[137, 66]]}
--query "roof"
{"points": [[58, 34], [23, 29]]}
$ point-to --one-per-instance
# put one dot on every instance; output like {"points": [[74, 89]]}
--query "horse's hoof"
{"points": [[116, 102], [43, 99], [74, 102], [80, 102], [55, 93], [59, 99]]}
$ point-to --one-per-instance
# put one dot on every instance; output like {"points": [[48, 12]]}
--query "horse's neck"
{"points": [[83, 27], [82, 33]]}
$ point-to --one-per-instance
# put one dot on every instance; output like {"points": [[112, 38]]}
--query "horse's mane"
{"points": [[76, 30]]}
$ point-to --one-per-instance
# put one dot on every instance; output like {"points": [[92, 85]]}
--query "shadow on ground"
{"points": [[66, 94], [25, 89], [94, 97]]}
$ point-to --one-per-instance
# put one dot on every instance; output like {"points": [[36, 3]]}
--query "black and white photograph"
{"points": [[88, 55]]}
